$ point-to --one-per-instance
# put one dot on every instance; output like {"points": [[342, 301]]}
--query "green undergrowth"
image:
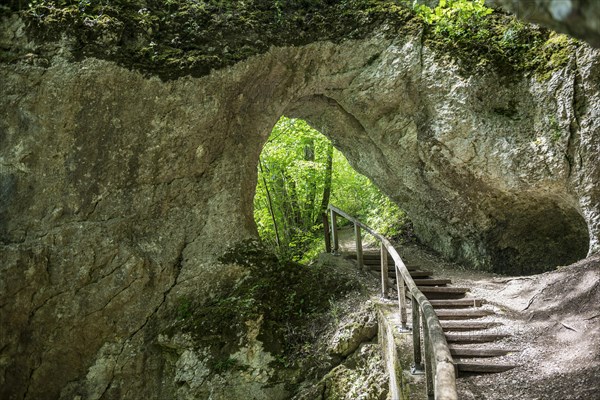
{"points": [[283, 298]]}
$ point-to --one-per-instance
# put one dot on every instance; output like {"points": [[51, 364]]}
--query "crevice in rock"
{"points": [[112, 372], [577, 104]]}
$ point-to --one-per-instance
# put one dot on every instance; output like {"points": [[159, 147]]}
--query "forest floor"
{"points": [[553, 320]]}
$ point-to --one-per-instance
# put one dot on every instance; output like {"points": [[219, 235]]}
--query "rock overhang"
{"points": [[139, 194]]}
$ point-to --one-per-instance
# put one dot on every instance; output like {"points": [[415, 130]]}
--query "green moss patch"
{"points": [[286, 297], [482, 39], [172, 38]]}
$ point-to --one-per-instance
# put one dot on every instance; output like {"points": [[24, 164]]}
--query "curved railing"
{"points": [[438, 364]]}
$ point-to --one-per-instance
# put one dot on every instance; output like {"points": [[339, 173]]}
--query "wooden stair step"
{"points": [[438, 292], [483, 367], [376, 257], [391, 268], [467, 325], [463, 314], [470, 352], [429, 289], [444, 296], [420, 274], [455, 303], [473, 337], [432, 282], [367, 256], [376, 263]]}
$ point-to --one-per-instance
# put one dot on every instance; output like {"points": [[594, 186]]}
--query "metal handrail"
{"points": [[439, 366]]}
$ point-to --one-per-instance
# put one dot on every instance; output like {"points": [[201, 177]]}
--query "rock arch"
{"points": [[118, 190]]}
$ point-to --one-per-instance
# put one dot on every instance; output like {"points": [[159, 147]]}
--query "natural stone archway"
{"points": [[119, 191], [409, 144]]}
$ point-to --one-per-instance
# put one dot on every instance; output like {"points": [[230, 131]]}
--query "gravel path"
{"points": [[553, 320]]}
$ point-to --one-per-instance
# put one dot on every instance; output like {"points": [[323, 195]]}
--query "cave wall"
{"points": [[118, 191], [579, 18]]}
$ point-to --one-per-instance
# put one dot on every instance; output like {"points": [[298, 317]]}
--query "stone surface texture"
{"points": [[579, 18], [118, 191]]}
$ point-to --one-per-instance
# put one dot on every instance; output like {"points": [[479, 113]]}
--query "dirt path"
{"points": [[553, 320]]}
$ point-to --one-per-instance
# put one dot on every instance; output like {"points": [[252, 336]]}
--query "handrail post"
{"points": [[384, 272], [438, 363], [334, 233], [401, 290], [359, 249], [327, 233], [428, 363], [417, 367]]}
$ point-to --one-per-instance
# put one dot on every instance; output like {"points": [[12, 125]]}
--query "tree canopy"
{"points": [[300, 173]]}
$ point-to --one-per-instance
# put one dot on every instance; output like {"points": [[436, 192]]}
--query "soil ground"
{"points": [[553, 320]]}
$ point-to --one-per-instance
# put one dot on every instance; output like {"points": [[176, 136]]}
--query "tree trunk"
{"points": [[327, 182], [270, 204]]}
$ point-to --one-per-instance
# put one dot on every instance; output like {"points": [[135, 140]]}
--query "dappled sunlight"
{"points": [[299, 174]]}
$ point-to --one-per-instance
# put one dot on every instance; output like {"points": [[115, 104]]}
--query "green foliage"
{"points": [[388, 219], [454, 17], [479, 37], [292, 180], [278, 293], [293, 168]]}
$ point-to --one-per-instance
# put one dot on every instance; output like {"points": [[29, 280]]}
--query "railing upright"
{"points": [[384, 272], [327, 233], [359, 249], [334, 233], [434, 358], [416, 332], [401, 290], [427, 359]]}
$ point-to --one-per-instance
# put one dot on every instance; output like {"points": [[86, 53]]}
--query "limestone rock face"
{"points": [[506, 167], [358, 377], [350, 336], [118, 191], [579, 18]]}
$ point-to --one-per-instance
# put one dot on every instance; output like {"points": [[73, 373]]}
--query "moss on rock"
{"points": [[280, 298], [502, 43], [178, 37]]}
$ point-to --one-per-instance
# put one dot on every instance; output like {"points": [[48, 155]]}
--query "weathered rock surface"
{"points": [[118, 191], [580, 18], [359, 377], [350, 336]]}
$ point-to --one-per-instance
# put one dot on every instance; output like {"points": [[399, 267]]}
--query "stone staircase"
{"points": [[470, 338]]}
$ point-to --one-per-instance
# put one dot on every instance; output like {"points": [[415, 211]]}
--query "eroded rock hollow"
{"points": [[119, 190]]}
